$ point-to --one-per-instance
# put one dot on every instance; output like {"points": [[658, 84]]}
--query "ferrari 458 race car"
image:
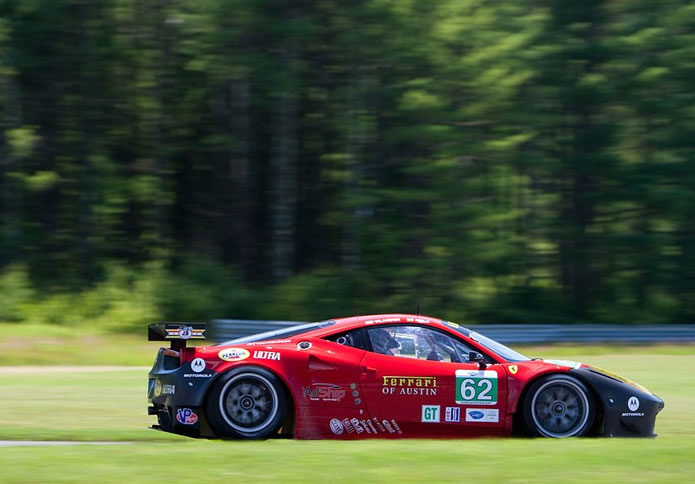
{"points": [[383, 376]]}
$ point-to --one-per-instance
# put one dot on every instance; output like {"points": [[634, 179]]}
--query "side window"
{"points": [[417, 342], [355, 338]]}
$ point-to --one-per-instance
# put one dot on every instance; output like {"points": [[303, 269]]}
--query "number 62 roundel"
{"points": [[476, 387]]}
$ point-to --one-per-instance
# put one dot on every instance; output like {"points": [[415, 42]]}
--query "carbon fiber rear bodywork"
{"points": [[177, 393]]}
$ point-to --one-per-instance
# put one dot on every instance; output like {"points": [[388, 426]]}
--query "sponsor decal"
{"points": [[198, 375], [157, 388], [266, 355], [430, 413], [571, 364], [476, 387], [198, 365], [168, 389], [632, 404], [452, 414], [269, 342], [417, 320], [233, 354], [453, 325], [387, 425], [373, 426], [186, 416], [482, 415], [513, 369], [385, 320], [410, 385], [368, 426], [336, 426], [358, 427], [325, 392], [185, 332], [379, 425]]}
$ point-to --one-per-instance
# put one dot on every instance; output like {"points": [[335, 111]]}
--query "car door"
{"points": [[418, 380]]}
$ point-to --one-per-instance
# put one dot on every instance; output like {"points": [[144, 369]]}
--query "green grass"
{"points": [[93, 404], [33, 344], [499, 461]]}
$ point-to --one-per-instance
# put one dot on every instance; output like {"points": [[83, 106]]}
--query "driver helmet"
{"points": [[382, 341]]}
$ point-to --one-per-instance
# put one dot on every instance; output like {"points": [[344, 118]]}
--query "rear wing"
{"points": [[177, 333]]}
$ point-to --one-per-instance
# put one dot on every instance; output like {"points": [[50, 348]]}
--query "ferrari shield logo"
{"points": [[513, 369]]}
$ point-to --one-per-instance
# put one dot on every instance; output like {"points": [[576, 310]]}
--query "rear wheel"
{"points": [[558, 406], [247, 402]]}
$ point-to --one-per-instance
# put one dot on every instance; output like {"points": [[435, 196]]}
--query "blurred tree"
{"points": [[492, 161]]}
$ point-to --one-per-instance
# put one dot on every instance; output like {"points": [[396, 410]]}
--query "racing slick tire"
{"points": [[247, 402], [558, 406]]}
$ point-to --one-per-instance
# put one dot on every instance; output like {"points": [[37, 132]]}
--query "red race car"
{"points": [[383, 376]]}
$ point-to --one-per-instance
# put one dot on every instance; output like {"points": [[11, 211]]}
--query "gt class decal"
{"points": [[233, 354], [476, 387], [430, 413]]}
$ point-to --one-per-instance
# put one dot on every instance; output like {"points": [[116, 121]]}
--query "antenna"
{"points": [[357, 310], [418, 309]]}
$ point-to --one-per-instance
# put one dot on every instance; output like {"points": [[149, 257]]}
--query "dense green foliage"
{"points": [[491, 161]]}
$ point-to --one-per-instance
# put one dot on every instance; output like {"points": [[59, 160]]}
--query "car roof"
{"points": [[329, 327], [354, 322]]}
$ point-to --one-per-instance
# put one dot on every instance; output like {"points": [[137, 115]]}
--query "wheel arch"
{"points": [[517, 424], [288, 424]]}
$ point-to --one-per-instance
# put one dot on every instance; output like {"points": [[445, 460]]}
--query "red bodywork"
{"points": [[342, 392]]}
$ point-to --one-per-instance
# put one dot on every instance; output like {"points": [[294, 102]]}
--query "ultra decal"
{"points": [[266, 355]]}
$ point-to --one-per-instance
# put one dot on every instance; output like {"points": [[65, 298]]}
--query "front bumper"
{"points": [[177, 395], [627, 411]]}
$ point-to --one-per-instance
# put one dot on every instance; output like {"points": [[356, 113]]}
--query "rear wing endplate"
{"points": [[177, 333]]}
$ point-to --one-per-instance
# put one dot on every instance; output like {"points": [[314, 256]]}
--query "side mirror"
{"points": [[475, 357]]}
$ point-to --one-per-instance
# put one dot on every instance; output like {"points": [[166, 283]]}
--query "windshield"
{"points": [[498, 348], [505, 352], [278, 333]]}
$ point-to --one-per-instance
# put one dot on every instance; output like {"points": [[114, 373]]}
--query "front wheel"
{"points": [[558, 406], [247, 402]]}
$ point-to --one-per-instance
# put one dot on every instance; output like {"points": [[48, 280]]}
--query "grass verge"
{"points": [[84, 404]]}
